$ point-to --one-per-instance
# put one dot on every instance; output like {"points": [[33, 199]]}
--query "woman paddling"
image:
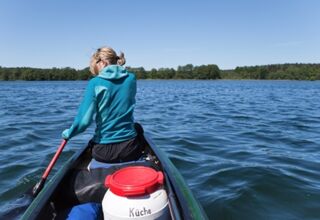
{"points": [[110, 98]]}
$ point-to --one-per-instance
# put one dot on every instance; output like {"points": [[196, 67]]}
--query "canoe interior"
{"points": [[53, 201]]}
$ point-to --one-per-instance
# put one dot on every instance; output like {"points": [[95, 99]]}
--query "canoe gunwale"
{"points": [[41, 200], [190, 207]]}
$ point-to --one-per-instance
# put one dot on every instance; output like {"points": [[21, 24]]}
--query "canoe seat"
{"points": [[96, 164]]}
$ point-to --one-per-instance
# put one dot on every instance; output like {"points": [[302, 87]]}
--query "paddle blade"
{"points": [[38, 187]]}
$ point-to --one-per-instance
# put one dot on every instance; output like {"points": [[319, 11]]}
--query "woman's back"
{"points": [[115, 94]]}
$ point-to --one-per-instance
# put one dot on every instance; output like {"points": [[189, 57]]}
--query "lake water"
{"points": [[247, 149]]}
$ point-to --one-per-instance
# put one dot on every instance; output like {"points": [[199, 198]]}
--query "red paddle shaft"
{"points": [[38, 187], [54, 159]]}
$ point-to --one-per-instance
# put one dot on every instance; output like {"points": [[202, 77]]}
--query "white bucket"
{"points": [[135, 193]]}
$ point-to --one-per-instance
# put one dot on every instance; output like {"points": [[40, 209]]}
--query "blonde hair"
{"points": [[108, 55]]}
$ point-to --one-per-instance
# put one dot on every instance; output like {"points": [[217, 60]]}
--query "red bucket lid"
{"points": [[134, 181]]}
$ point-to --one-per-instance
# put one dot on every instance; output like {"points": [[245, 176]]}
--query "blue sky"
{"points": [[229, 33]]}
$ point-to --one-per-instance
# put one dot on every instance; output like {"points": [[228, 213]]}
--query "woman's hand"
{"points": [[65, 134]]}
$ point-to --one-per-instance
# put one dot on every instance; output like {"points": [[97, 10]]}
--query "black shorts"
{"points": [[130, 150]]}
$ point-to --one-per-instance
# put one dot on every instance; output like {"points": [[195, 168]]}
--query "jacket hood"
{"points": [[113, 72]]}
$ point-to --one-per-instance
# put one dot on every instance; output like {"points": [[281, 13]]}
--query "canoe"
{"points": [[182, 203]]}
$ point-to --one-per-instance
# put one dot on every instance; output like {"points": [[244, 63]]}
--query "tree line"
{"points": [[286, 71], [188, 71], [30, 74], [183, 72], [211, 71]]}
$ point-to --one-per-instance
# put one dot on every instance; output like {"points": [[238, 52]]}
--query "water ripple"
{"points": [[247, 149]]}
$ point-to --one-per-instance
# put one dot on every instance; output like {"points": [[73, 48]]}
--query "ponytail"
{"points": [[120, 59]]}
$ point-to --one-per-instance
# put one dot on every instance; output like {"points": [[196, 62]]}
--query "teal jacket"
{"points": [[110, 96]]}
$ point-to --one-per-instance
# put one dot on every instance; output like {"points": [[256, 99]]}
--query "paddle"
{"points": [[38, 187]]}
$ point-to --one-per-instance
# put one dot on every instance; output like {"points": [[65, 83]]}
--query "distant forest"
{"points": [[275, 72], [266, 72]]}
